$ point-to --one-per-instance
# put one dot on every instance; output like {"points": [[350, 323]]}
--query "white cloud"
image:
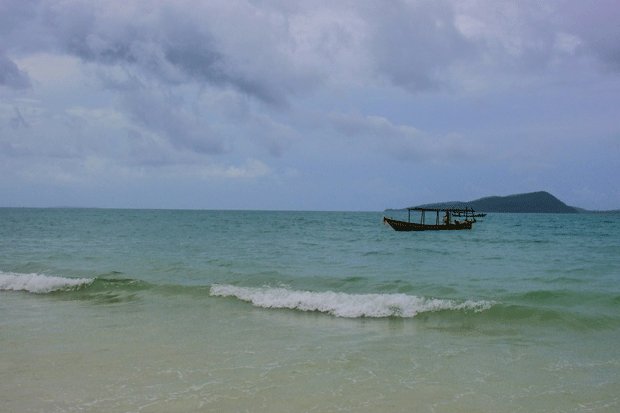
{"points": [[50, 69]]}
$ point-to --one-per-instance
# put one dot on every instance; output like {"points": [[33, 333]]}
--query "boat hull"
{"points": [[412, 226]]}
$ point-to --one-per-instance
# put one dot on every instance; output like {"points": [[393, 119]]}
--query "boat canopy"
{"points": [[468, 213], [458, 210]]}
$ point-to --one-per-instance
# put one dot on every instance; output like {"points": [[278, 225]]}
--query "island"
{"points": [[532, 202]]}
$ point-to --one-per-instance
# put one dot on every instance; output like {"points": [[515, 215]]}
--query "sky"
{"points": [[307, 105]]}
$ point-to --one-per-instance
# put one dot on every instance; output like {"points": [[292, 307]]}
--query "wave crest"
{"points": [[343, 304], [40, 283]]}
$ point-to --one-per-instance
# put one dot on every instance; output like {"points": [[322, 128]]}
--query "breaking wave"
{"points": [[338, 304], [40, 283], [343, 304]]}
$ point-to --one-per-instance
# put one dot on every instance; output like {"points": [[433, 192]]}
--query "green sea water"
{"points": [[242, 311]]}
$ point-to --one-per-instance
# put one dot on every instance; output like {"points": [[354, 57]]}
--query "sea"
{"points": [[153, 311]]}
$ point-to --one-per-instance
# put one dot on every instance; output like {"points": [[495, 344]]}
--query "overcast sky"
{"points": [[308, 105]]}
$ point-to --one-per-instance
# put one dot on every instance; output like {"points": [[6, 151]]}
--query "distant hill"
{"points": [[531, 202]]}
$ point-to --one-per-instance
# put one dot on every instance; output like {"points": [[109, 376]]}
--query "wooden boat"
{"points": [[446, 224]]}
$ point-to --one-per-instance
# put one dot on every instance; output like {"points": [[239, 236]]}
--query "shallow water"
{"points": [[174, 311]]}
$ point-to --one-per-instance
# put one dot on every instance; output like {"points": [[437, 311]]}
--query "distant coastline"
{"points": [[531, 202]]}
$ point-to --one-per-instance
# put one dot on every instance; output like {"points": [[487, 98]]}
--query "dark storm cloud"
{"points": [[171, 42], [269, 50], [160, 43]]}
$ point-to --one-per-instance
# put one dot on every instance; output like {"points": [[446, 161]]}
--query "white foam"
{"points": [[39, 283], [343, 304]]}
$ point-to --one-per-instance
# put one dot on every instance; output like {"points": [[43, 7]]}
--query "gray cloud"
{"points": [[214, 87], [541, 39], [18, 121], [179, 43], [11, 76], [414, 43], [402, 142], [167, 116], [596, 24], [277, 50]]}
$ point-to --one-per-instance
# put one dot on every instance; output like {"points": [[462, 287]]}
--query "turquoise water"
{"points": [[200, 311]]}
